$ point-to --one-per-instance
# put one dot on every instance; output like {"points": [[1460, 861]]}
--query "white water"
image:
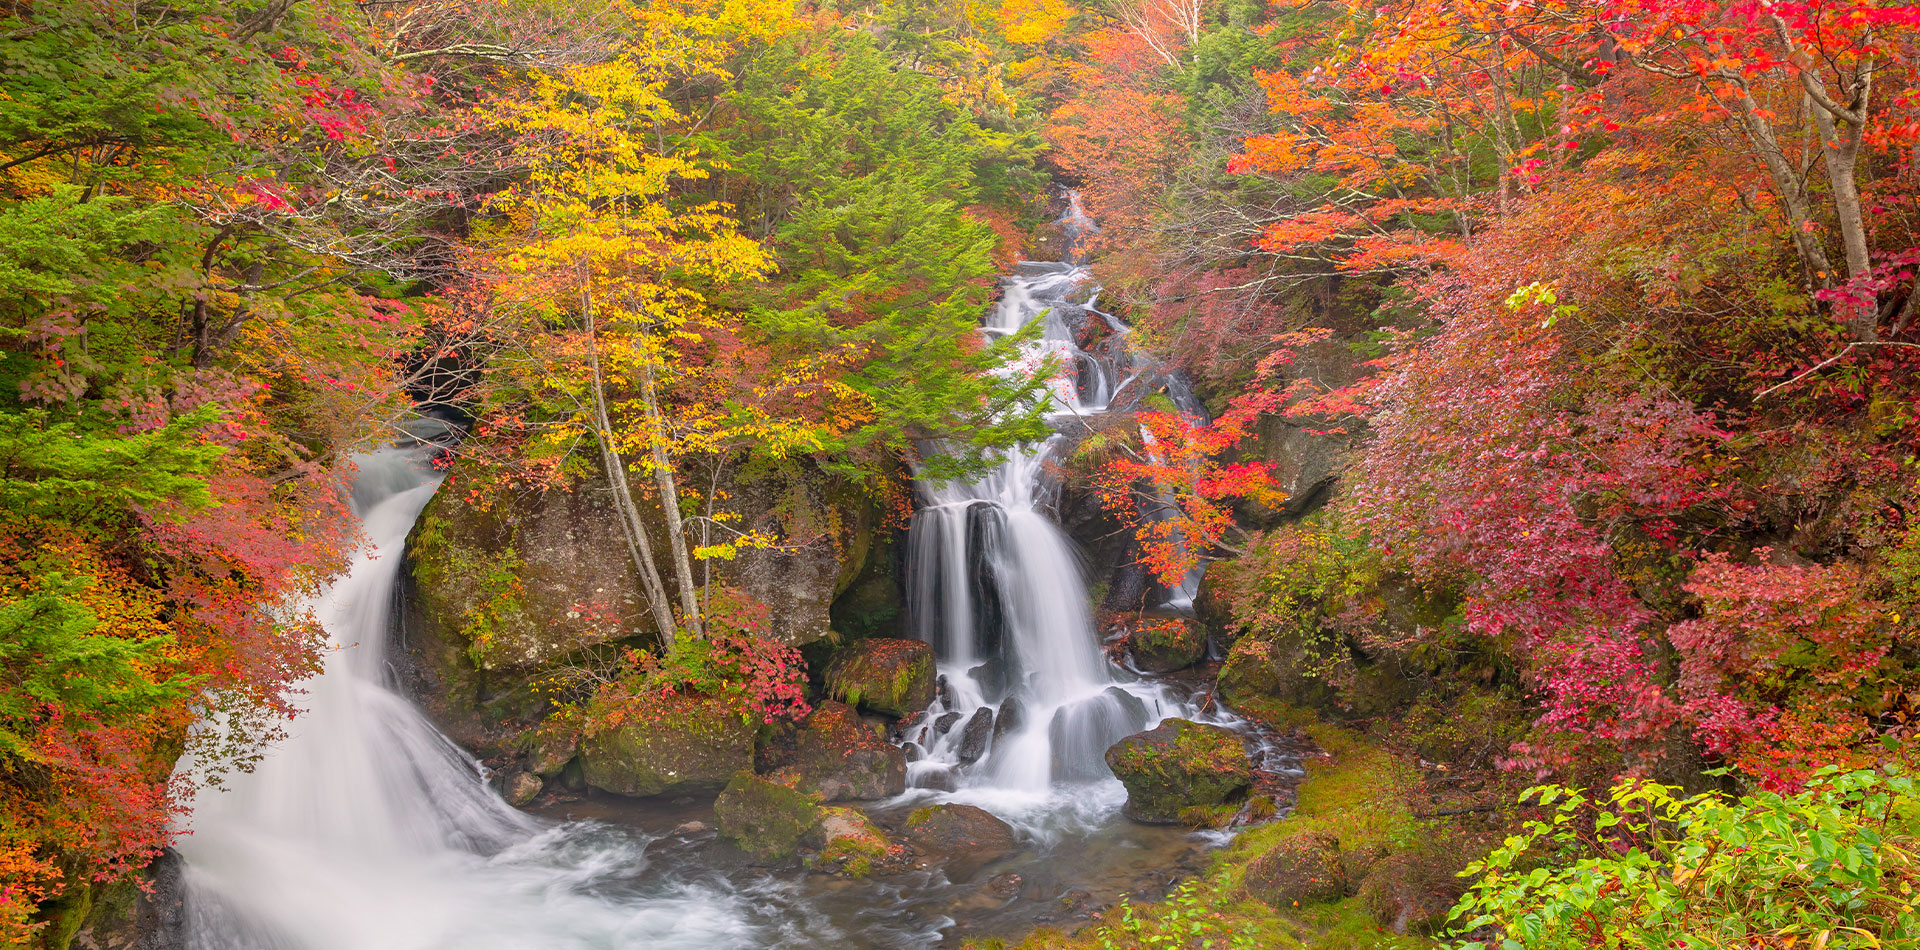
{"points": [[365, 828], [998, 590]]}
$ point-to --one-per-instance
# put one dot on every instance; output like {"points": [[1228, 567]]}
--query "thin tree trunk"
{"points": [[1786, 184], [638, 545], [663, 476]]}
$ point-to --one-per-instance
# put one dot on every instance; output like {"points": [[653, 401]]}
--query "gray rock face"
{"points": [[522, 788], [964, 838], [976, 736], [843, 760]]}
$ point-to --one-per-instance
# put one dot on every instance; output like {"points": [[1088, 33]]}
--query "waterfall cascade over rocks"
{"points": [[366, 828], [998, 590]]}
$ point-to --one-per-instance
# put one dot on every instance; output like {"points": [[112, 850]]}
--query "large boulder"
{"points": [[763, 818], [847, 843], [963, 837], [673, 745], [840, 758], [893, 677], [1164, 646], [1301, 870], [1178, 765]]}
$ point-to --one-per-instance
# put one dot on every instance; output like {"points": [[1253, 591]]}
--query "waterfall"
{"points": [[1028, 704], [366, 828]]}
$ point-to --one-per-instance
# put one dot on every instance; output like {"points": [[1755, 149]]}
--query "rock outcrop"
{"points": [[1180, 765], [676, 745], [840, 758], [962, 838], [888, 676], [763, 818]]}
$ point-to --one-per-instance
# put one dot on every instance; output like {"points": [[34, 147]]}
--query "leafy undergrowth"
{"points": [[1355, 791]]}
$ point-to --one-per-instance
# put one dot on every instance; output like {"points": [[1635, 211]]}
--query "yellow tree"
{"points": [[612, 268]]}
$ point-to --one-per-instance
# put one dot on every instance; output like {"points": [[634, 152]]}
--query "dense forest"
{"points": [[1537, 383]]}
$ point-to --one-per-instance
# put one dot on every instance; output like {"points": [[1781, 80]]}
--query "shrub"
{"points": [[1835, 865]]}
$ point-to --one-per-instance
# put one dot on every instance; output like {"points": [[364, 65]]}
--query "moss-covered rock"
{"points": [[1298, 871], [1166, 646], [1412, 893], [840, 758], [894, 677], [671, 745], [763, 818], [963, 837], [1178, 765], [1272, 668], [847, 843]]}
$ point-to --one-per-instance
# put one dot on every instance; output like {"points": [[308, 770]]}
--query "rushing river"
{"points": [[365, 828]]}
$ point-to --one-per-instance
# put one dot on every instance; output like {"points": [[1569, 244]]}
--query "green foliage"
{"points": [[58, 470], [1834, 865], [1182, 922], [55, 660], [859, 175]]}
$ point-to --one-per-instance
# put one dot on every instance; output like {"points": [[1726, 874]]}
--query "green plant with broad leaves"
{"points": [[1835, 865]]}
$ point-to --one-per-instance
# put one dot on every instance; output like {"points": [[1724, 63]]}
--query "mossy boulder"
{"points": [[1269, 669], [1412, 893], [1177, 765], [1168, 645], [885, 675], [1302, 870], [671, 745], [763, 818], [847, 843], [840, 758], [964, 838]]}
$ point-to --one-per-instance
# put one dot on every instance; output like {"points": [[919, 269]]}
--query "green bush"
{"points": [[1831, 866]]}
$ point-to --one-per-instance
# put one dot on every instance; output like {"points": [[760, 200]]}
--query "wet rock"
{"points": [[889, 676], [1131, 705], [945, 722], [1005, 885], [1012, 716], [550, 754], [1177, 765], [522, 788], [937, 779], [1298, 871], [1167, 645], [1410, 893], [687, 829], [676, 745], [964, 837], [847, 843], [975, 737], [762, 818], [840, 759]]}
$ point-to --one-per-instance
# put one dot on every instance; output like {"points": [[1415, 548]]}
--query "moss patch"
{"points": [[671, 744], [764, 819], [1180, 765]]}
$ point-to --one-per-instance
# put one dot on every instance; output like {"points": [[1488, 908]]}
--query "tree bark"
{"points": [[639, 547], [663, 476]]}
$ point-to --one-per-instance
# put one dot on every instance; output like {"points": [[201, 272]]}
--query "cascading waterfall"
{"points": [[366, 828], [1028, 704]]}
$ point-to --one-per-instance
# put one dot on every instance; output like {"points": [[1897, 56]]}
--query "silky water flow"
{"points": [[998, 590]]}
